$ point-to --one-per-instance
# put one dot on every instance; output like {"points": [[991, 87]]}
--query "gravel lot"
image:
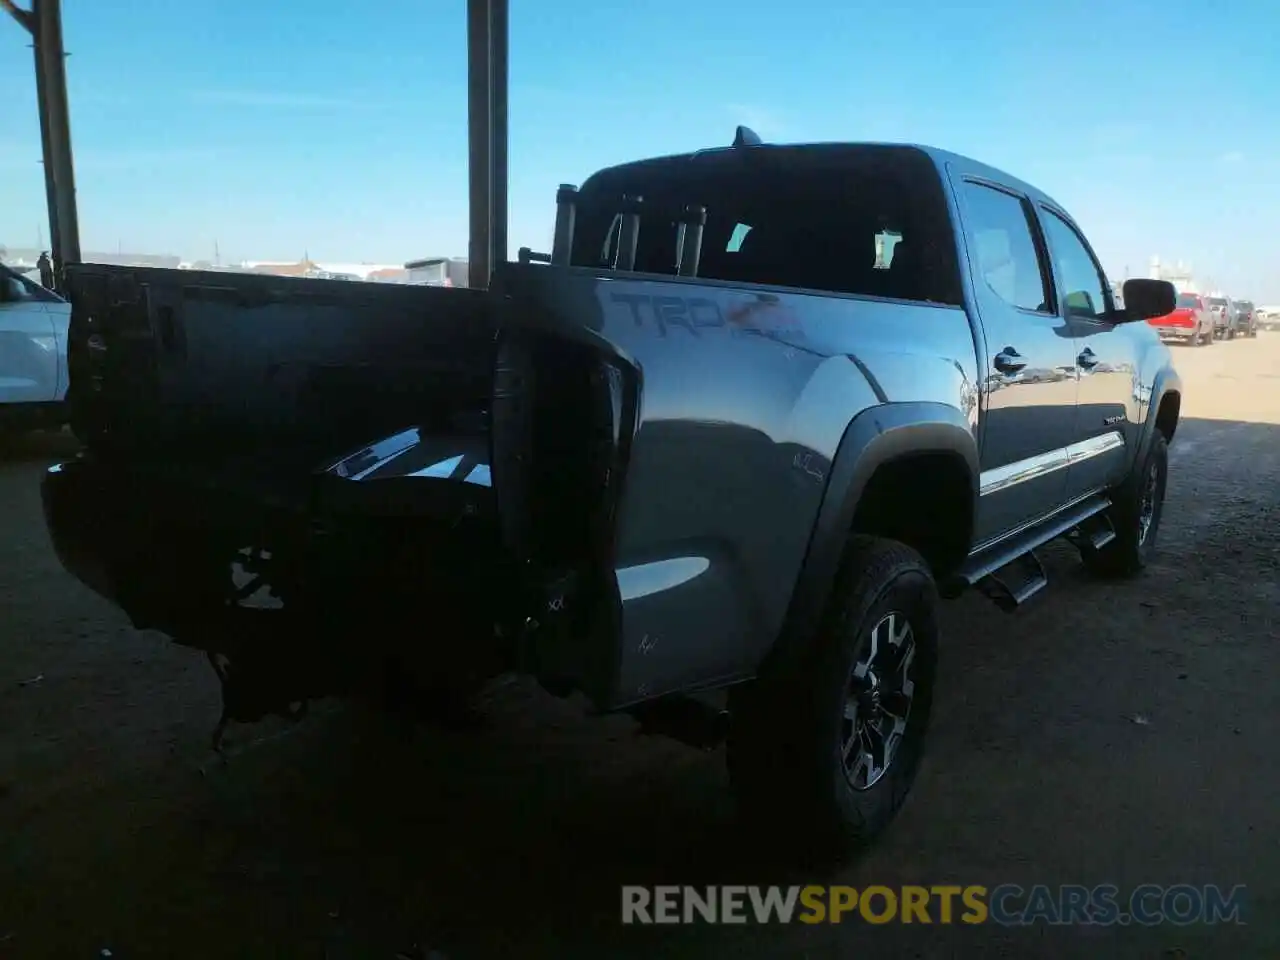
{"points": [[1120, 735]]}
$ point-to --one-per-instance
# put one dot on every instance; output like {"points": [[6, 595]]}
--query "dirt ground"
{"points": [[1104, 734]]}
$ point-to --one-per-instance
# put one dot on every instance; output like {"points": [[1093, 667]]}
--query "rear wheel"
{"points": [[825, 744], [1137, 506]]}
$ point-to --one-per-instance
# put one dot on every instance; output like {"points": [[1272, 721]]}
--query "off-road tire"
{"points": [[1130, 552], [789, 727]]}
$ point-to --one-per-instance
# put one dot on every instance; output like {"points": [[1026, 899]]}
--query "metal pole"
{"points": [[487, 136], [56, 129], [499, 61], [27, 20], [46, 151]]}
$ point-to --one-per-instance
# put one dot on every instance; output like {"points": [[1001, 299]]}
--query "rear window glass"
{"points": [[1187, 301], [1217, 302], [857, 220]]}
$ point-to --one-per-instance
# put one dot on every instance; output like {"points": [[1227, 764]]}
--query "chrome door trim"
{"points": [[1032, 468]]}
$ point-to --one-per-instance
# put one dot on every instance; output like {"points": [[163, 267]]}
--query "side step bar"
{"points": [[1095, 533], [1009, 573], [1015, 583]]}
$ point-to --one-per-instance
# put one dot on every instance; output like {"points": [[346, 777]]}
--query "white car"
{"points": [[33, 353], [1269, 317]]}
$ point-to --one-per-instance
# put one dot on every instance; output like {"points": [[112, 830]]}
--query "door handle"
{"points": [[1009, 360], [1087, 359]]}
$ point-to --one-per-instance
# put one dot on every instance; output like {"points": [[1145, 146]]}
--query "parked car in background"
{"points": [[1190, 322], [1244, 321], [1217, 307], [1267, 317], [33, 353]]}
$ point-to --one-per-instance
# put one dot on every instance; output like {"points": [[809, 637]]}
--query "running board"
{"points": [[690, 720], [988, 560], [1094, 534], [1015, 583]]}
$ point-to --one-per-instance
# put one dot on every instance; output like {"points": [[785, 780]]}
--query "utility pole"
{"points": [[44, 22]]}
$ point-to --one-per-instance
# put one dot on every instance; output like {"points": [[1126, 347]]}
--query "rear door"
{"points": [[1104, 360], [1029, 392], [28, 344]]}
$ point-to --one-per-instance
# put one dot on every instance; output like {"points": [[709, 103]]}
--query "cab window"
{"points": [[1084, 288]]}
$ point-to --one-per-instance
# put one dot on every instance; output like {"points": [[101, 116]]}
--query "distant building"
{"points": [[438, 271], [1179, 274], [316, 270], [302, 268], [389, 275], [25, 255]]}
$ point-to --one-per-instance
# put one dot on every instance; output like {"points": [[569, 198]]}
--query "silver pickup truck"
{"points": [[33, 353], [713, 460]]}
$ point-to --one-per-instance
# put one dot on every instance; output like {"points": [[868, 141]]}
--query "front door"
{"points": [[1105, 360], [1029, 391]]}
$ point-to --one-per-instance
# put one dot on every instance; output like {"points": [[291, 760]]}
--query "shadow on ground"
{"points": [[42, 446]]}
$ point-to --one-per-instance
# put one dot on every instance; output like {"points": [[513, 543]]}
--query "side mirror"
{"points": [[1144, 299]]}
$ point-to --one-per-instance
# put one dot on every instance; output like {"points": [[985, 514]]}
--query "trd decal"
{"points": [[695, 314]]}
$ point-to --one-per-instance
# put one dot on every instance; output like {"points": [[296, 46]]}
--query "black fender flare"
{"points": [[876, 436], [1165, 381]]}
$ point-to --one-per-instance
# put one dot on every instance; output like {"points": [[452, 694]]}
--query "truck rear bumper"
{"points": [[388, 557]]}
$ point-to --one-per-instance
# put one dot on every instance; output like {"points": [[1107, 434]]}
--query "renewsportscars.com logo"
{"points": [[1007, 905]]}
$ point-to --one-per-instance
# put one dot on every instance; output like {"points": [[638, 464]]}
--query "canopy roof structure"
{"points": [[487, 79]]}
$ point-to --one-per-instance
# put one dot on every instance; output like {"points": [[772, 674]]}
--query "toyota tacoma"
{"points": [[718, 454]]}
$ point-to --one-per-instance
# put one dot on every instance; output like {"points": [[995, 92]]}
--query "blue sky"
{"points": [[339, 129]]}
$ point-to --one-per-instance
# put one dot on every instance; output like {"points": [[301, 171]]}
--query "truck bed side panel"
{"points": [[747, 393]]}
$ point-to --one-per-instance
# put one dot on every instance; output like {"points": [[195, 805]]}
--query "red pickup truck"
{"points": [[1190, 322]]}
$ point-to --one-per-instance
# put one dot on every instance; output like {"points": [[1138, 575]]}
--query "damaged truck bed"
{"points": [[757, 409]]}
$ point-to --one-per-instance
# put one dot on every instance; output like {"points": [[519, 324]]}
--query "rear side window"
{"points": [[1005, 256], [863, 220]]}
